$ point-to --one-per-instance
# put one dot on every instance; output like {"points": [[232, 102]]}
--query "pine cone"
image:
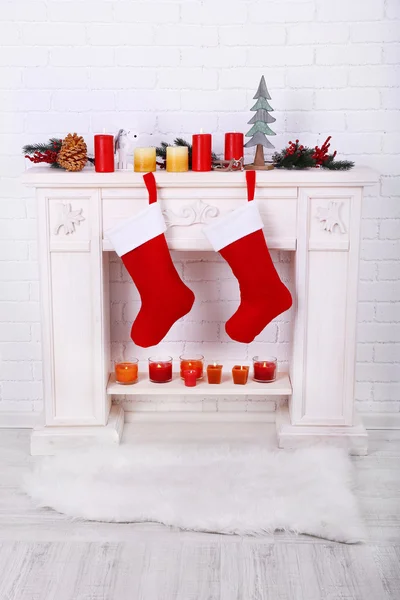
{"points": [[73, 153]]}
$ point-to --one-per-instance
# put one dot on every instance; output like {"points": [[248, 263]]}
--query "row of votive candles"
{"points": [[192, 370], [177, 156]]}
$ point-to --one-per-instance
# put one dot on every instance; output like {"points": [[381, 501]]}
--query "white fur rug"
{"points": [[238, 489]]}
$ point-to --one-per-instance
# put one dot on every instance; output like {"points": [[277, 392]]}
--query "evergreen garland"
{"points": [[161, 152], [46, 152], [297, 156]]}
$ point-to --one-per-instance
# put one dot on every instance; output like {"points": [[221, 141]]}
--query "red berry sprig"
{"points": [[294, 148], [48, 156], [321, 154]]}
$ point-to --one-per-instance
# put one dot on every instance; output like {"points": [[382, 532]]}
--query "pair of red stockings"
{"points": [[237, 236]]}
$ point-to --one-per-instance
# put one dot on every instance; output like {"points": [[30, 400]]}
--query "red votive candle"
{"points": [[201, 152], [190, 377], [104, 153], [160, 369], [234, 146], [264, 370]]}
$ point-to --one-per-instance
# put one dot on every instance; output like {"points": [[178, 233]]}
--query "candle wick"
{"points": [[104, 129], [201, 130]]}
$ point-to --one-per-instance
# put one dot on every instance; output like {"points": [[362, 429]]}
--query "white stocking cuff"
{"points": [[234, 226], [137, 230]]}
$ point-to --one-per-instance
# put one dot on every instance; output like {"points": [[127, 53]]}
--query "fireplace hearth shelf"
{"points": [[176, 387], [314, 213]]}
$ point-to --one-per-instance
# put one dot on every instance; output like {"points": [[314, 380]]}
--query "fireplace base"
{"points": [[353, 438], [47, 441]]}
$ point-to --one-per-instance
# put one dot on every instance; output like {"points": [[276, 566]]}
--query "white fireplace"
{"points": [[314, 215]]}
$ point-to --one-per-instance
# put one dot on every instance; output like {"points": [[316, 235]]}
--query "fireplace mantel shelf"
{"points": [[280, 387], [315, 213], [42, 177]]}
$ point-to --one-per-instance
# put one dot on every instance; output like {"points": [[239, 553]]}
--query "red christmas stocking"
{"points": [[141, 244], [239, 238]]}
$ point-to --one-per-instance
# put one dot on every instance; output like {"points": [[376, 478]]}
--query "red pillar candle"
{"points": [[104, 153], [234, 145], [201, 152], [264, 370], [190, 377], [160, 370]]}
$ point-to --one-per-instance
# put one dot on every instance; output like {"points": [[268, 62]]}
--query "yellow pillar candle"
{"points": [[177, 159], [145, 160]]}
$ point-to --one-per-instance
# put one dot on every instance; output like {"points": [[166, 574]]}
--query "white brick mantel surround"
{"points": [[316, 214]]}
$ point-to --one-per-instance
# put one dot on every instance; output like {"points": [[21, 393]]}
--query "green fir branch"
{"points": [[338, 165], [54, 144], [299, 160]]}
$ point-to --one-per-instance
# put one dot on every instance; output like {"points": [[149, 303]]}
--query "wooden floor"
{"points": [[44, 556]]}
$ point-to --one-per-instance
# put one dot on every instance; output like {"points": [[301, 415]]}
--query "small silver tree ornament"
{"points": [[260, 128]]}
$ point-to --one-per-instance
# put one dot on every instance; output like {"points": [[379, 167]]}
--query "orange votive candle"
{"points": [[192, 362], [240, 374], [214, 373], [126, 372]]}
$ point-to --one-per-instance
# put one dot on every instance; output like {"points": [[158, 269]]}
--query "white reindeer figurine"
{"points": [[123, 142]]}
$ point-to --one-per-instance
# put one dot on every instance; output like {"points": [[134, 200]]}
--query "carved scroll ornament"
{"points": [[191, 214]]}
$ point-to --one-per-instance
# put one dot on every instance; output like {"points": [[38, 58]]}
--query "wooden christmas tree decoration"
{"points": [[260, 128]]}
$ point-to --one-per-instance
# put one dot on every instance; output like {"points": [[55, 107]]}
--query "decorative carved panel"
{"points": [[329, 217], [68, 219]]}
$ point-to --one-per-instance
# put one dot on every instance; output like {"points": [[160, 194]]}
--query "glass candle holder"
{"points": [[177, 159], [126, 373], [240, 374], [192, 361], [190, 377], [144, 160], [264, 369], [214, 372], [160, 369]]}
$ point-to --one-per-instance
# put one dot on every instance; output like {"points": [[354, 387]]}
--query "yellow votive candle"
{"points": [[177, 159], [145, 160]]}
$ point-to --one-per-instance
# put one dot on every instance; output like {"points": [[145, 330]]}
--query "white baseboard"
{"points": [[198, 417], [381, 420], [369, 420], [18, 420]]}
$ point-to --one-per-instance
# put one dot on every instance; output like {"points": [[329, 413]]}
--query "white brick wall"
{"points": [[170, 67]]}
